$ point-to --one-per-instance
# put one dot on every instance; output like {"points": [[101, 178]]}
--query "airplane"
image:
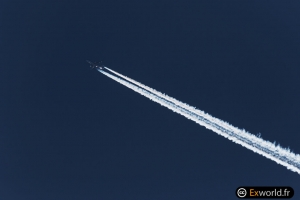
{"points": [[97, 65]]}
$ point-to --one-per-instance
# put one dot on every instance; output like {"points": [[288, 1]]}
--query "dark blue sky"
{"points": [[68, 132]]}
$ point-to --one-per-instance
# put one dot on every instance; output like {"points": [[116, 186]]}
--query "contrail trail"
{"points": [[276, 153], [175, 101]]}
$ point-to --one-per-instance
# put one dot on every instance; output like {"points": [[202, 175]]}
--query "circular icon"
{"points": [[241, 192]]}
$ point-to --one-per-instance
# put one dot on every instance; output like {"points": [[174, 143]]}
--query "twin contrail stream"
{"points": [[274, 152]]}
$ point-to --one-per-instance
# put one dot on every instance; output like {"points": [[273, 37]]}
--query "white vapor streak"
{"points": [[269, 150], [175, 101]]}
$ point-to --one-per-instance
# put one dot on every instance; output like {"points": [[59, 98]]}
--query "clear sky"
{"points": [[68, 132]]}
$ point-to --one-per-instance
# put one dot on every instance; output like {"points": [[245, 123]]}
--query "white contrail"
{"points": [[276, 153], [203, 114], [175, 101]]}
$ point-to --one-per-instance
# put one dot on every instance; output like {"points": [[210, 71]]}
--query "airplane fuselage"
{"points": [[97, 65]]}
